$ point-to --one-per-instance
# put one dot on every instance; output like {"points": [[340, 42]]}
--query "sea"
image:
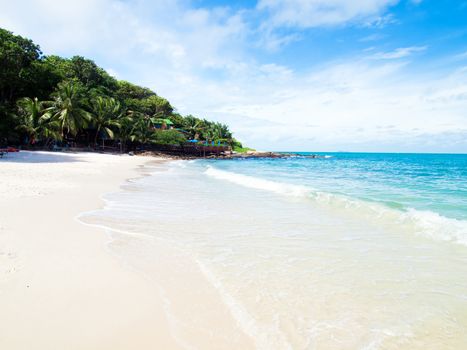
{"points": [[341, 251]]}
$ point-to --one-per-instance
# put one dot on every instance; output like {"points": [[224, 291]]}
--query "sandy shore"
{"points": [[59, 286]]}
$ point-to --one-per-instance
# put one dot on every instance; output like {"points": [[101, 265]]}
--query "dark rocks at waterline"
{"points": [[228, 155], [268, 155]]}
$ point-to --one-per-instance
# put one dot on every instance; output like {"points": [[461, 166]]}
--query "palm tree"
{"points": [[193, 126], [144, 129], [223, 133], [135, 127], [106, 115], [36, 120], [67, 109], [209, 132], [127, 130]]}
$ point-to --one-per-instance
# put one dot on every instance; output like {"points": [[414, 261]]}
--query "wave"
{"points": [[257, 183], [419, 222]]}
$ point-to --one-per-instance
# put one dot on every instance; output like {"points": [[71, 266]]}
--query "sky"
{"points": [[285, 75]]}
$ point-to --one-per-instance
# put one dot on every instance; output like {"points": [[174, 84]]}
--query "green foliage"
{"points": [[9, 123], [16, 56], [153, 106], [168, 137], [217, 132], [40, 79], [82, 70], [193, 126], [45, 98], [236, 144], [238, 147], [202, 129], [143, 129], [36, 121], [128, 91], [242, 149], [128, 129], [68, 108], [106, 114], [177, 120]]}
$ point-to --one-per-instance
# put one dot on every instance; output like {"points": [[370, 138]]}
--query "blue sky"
{"points": [[316, 75]]}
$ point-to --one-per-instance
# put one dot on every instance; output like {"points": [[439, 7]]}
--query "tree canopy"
{"points": [[47, 99]]}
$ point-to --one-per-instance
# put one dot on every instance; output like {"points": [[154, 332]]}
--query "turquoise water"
{"points": [[426, 182], [348, 251]]}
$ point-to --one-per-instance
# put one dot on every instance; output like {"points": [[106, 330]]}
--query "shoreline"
{"points": [[197, 313], [59, 286], [180, 155], [283, 264]]}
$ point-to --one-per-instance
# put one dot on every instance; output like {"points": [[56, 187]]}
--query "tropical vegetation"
{"points": [[46, 100]]}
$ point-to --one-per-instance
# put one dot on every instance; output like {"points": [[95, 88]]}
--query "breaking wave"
{"points": [[427, 223]]}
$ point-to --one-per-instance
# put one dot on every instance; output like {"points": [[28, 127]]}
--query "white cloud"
{"points": [[380, 21], [343, 106], [401, 52], [168, 31], [314, 13], [200, 60]]}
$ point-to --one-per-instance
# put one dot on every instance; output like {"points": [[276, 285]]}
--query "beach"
{"points": [[345, 251], [215, 175], [118, 252], [60, 285]]}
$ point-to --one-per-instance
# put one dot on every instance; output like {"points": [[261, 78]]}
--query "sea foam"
{"points": [[419, 222]]}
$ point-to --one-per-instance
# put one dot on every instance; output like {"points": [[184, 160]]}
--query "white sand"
{"points": [[61, 289]]}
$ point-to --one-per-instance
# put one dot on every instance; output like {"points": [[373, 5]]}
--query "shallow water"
{"points": [[349, 252]]}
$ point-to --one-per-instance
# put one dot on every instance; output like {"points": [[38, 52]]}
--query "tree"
{"points": [[153, 106], [83, 71], [16, 56], [209, 132], [128, 91], [222, 133], [91, 75], [69, 97], [177, 120], [127, 131], [143, 100], [168, 137], [135, 127], [193, 126], [40, 80], [67, 108], [36, 121], [106, 113], [144, 129]]}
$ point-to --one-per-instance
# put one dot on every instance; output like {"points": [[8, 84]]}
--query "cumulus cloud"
{"points": [[343, 107], [315, 13], [201, 60], [170, 32], [169, 46]]}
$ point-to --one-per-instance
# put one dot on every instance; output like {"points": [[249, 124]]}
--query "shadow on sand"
{"points": [[39, 157]]}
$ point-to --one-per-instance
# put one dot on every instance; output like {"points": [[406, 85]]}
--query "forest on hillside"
{"points": [[47, 100]]}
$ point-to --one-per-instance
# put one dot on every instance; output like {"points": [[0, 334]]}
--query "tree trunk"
{"points": [[97, 134]]}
